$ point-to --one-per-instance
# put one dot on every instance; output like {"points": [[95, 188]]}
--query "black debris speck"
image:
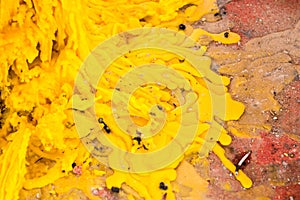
{"points": [[182, 27], [115, 189], [226, 34], [138, 139], [162, 186]]}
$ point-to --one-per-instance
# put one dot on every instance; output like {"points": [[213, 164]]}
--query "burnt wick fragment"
{"points": [[162, 186], [241, 162], [152, 114], [145, 147], [100, 120], [164, 197], [41, 158], [138, 139], [105, 127], [159, 107]]}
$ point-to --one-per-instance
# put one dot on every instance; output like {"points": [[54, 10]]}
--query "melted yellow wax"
{"points": [[142, 101], [43, 44]]}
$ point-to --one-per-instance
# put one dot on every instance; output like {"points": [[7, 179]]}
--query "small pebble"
{"points": [[77, 170], [291, 155], [38, 195]]}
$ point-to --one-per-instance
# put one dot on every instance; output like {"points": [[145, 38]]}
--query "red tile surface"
{"points": [[275, 160], [289, 118], [255, 18]]}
